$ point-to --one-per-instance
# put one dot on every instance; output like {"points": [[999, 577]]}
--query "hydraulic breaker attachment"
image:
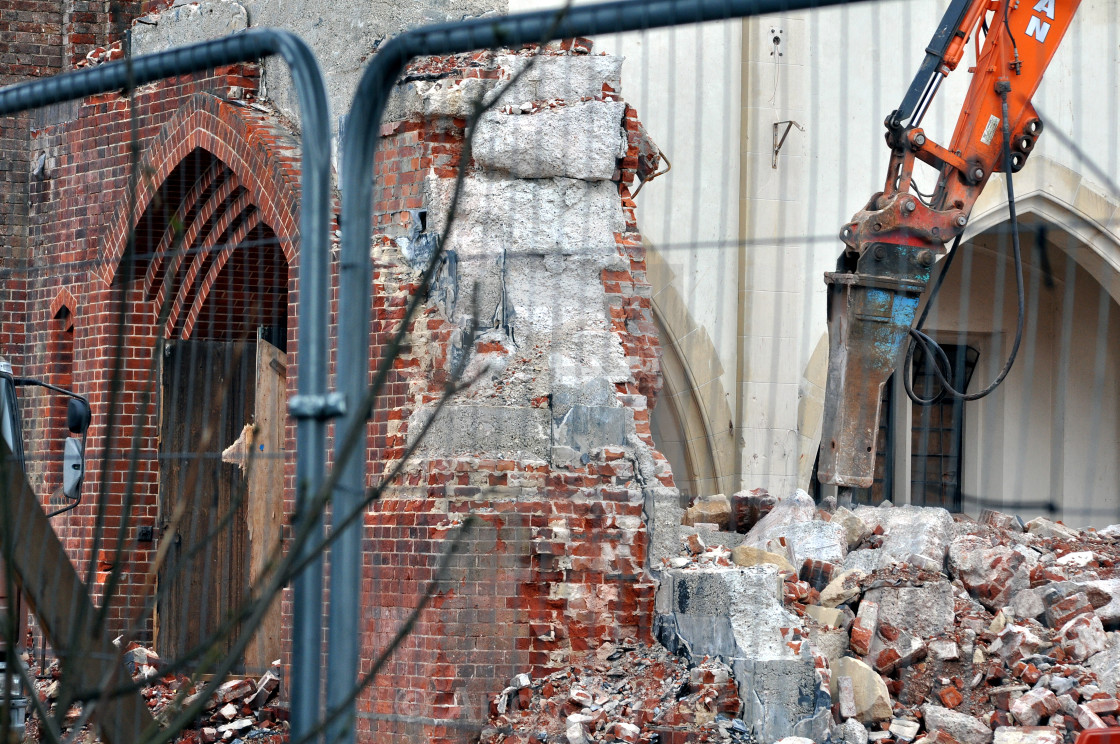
{"points": [[870, 311]]}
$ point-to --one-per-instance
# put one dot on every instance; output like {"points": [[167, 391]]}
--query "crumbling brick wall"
{"points": [[556, 564], [556, 561]]}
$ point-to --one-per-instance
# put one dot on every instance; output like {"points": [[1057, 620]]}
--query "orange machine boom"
{"points": [[892, 244]]}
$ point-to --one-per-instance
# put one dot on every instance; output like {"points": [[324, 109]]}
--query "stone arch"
{"points": [[693, 390], [1062, 196], [1039, 445]]}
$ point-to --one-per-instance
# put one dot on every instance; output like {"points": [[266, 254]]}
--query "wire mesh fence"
{"points": [[598, 334]]}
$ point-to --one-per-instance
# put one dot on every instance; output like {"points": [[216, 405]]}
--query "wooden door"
{"points": [[265, 473], [206, 400]]}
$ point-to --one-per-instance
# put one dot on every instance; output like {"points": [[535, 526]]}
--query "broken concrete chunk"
{"points": [[964, 728], [576, 734], [1014, 643], [746, 555], [1080, 559], [1028, 604], [1043, 527], [991, 574], [872, 701], [1082, 637], [1061, 610], [798, 508], [1106, 664], [867, 560], [1087, 719], [828, 616], [842, 589], [903, 729], [912, 531], [1104, 595], [855, 529], [267, 686], [711, 509], [850, 731], [234, 726], [831, 643], [944, 650], [815, 540], [1004, 695], [1031, 735], [1000, 520], [627, 732], [922, 611], [1035, 705], [228, 711]]}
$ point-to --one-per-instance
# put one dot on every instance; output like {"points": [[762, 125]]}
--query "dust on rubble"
{"points": [[240, 710], [624, 692], [922, 626]]}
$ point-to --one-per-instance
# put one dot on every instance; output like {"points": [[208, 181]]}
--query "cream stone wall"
{"points": [[744, 240]]}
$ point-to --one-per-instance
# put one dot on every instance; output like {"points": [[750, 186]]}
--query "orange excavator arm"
{"points": [[892, 244]]}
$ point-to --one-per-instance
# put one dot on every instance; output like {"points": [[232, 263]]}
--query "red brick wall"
{"points": [[542, 575], [77, 223]]}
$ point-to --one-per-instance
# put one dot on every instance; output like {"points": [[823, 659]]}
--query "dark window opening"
{"points": [[938, 430]]}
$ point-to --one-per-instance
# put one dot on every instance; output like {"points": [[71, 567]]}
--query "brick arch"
{"points": [[63, 300], [258, 153]]}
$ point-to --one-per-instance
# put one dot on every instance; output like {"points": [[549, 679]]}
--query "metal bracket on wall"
{"points": [[778, 142]]}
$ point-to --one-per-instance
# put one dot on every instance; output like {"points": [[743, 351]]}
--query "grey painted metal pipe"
{"points": [[312, 406], [359, 145]]}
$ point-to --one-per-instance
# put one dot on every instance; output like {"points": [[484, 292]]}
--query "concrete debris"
{"points": [[797, 509], [1029, 735], [963, 728], [871, 698], [634, 694], [855, 529], [904, 729], [241, 709], [911, 534], [710, 510], [916, 627], [842, 589], [745, 555]]}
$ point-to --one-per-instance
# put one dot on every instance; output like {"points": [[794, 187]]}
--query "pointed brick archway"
{"points": [[210, 280]]}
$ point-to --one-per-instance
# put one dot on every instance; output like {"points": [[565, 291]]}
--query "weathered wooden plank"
{"points": [[266, 493]]}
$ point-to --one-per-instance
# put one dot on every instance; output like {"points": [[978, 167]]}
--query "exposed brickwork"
{"points": [[77, 223], [555, 564], [89, 24]]}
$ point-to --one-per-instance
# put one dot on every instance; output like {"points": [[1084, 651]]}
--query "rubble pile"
{"points": [[898, 624], [626, 692], [240, 710]]}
